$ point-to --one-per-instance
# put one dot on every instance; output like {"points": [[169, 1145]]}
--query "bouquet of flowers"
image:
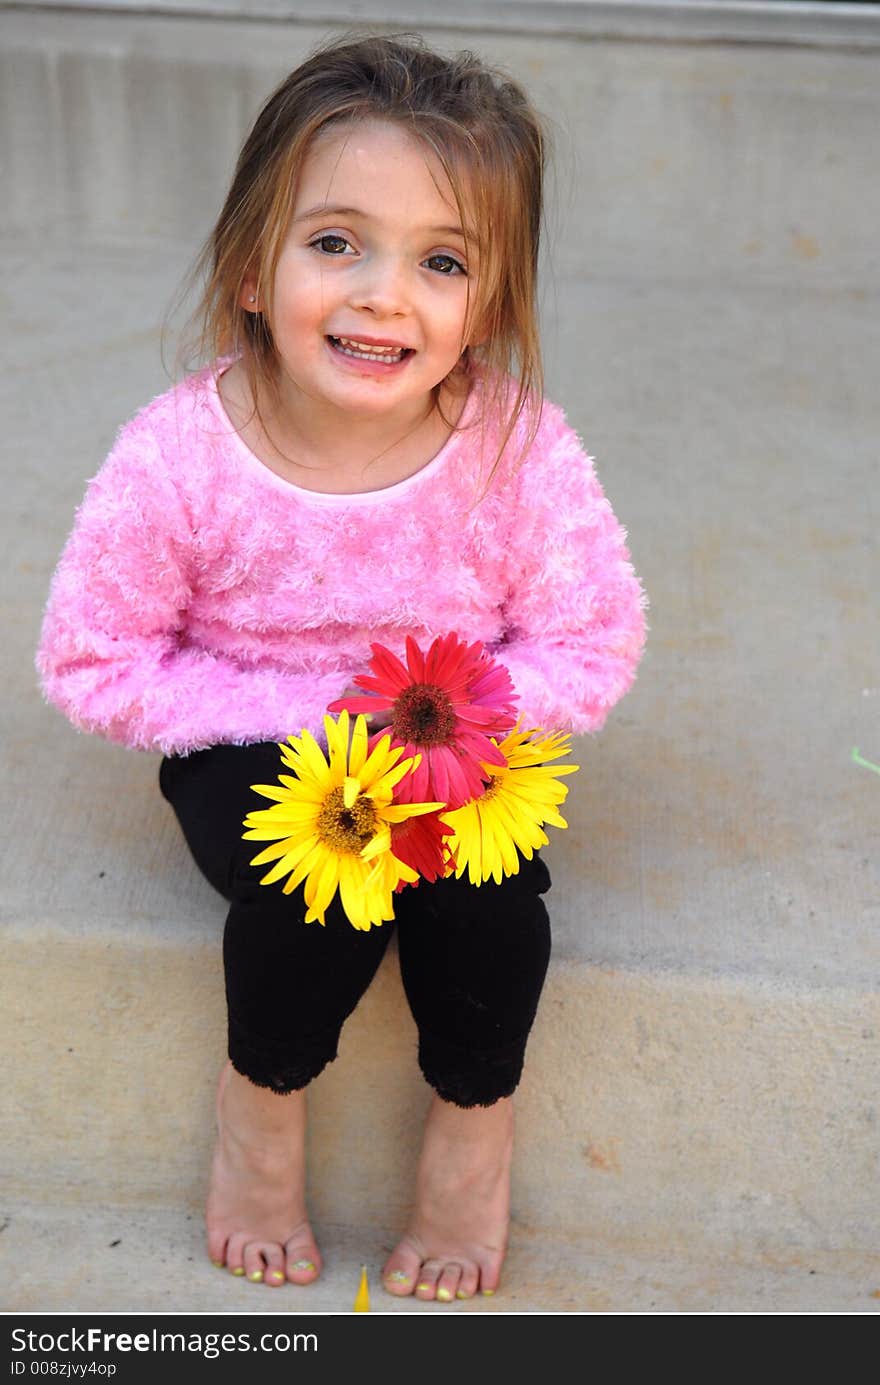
{"points": [[451, 784]]}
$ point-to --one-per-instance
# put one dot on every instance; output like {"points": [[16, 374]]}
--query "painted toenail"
{"points": [[444, 1295], [255, 1276], [398, 1277], [460, 1293], [277, 1274], [302, 1265], [423, 1288], [238, 1270], [219, 1264], [488, 1292]]}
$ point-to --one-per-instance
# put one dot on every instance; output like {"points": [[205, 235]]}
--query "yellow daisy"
{"points": [[508, 818], [331, 822]]}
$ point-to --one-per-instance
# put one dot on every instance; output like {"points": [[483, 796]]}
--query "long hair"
{"points": [[488, 140]]}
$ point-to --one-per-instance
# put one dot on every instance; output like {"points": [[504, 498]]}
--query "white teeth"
{"points": [[368, 353]]}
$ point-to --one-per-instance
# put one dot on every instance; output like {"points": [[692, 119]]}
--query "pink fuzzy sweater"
{"points": [[201, 598]]}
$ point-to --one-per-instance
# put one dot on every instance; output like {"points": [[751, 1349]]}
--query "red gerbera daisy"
{"points": [[444, 705], [420, 843]]}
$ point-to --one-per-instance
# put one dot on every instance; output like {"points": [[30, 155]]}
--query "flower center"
{"points": [[491, 788], [346, 829], [424, 715]]}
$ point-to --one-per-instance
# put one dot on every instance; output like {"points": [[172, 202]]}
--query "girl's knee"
{"points": [[470, 1077], [282, 1065]]}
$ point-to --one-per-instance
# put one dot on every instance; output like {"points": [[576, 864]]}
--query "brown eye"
{"points": [[330, 245], [445, 264]]}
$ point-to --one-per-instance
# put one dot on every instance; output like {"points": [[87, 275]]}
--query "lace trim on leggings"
{"points": [[281, 1066], [468, 1078]]}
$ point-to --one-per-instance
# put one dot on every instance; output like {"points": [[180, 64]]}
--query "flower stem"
{"points": [[859, 760]]}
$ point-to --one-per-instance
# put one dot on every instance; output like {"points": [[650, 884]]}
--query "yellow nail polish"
{"points": [[488, 1292], [238, 1270], [444, 1295], [423, 1288], [255, 1276], [276, 1274], [218, 1264], [459, 1293]]}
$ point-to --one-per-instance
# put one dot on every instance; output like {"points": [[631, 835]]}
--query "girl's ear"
{"points": [[248, 298]]}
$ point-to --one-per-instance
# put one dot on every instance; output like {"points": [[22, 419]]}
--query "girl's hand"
{"points": [[375, 720]]}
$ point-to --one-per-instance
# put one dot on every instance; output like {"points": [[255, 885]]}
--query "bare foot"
{"points": [[457, 1237], [256, 1216]]}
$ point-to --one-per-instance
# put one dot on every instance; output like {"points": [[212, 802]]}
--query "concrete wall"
{"points": [[673, 161], [765, 21]]}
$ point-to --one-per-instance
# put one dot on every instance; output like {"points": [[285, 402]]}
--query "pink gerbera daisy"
{"points": [[445, 705]]}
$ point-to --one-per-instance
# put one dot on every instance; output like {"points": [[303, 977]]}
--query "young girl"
{"points": [[367, 457]]}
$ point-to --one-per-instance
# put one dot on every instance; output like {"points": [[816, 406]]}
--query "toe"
{"points": [[303, 1264], [302, 1270], [401, 1270], [302, 1261], [254, 1261], [275, 1274], [448, 1282], [235, 1255], [469, 1282], [426, 1280]]}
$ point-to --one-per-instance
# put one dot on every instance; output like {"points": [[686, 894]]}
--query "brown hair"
{"points": [[487, 138]]}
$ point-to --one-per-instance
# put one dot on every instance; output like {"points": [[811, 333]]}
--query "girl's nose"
{"points": [[381, 288]]}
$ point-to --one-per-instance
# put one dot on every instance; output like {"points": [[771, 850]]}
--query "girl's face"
{"points": [[371, 289]]}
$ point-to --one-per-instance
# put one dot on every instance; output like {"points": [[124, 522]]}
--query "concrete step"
{"points": [[664, 1110], [125, 1260]]}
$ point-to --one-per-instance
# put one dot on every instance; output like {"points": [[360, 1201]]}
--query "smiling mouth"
{"points": [[360, 351]]}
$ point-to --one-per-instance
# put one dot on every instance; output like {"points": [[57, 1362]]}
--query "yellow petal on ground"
{"points": [[362, 1297]]}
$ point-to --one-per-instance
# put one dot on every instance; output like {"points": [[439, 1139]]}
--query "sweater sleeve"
{"points": [[113, 654], [575, 623]]}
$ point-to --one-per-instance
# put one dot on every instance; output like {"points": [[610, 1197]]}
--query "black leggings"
{"points": [[473, 961]]}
